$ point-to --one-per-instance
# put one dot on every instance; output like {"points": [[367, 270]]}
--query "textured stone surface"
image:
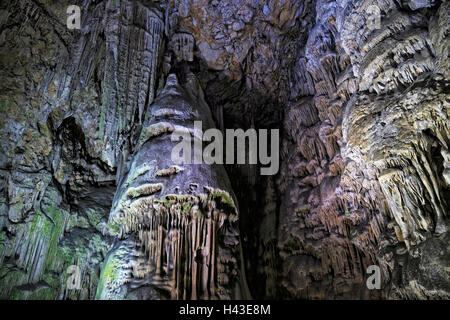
{"points": [[185, 217], [359, 90]]}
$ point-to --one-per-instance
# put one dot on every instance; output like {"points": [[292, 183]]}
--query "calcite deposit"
{"points": [[92, 205]]}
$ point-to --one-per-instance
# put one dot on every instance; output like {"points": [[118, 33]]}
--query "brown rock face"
{"points": [[359, 90], [369, 151]]}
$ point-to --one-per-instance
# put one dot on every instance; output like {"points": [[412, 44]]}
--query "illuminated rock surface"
{"points": [[358, 89]]}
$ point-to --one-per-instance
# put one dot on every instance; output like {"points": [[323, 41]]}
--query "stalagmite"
{"points": [[177, 232], [90, 192]]}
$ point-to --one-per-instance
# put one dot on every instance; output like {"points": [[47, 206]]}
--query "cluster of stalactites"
{"points": [[178, 240]]}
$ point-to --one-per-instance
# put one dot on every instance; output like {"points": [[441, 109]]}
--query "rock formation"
{"points": [[89, 194], [184, 218]]}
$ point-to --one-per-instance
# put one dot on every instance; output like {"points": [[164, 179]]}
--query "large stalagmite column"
{"points": [[177, 225]]}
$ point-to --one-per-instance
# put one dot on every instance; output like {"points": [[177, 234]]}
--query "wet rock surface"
{"points": [[358, 89]]}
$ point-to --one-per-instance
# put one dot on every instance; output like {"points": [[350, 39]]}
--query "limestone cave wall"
{"points": [[359, 90]]}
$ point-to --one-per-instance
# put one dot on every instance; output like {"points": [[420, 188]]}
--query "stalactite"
{"points": [[161, 238]]}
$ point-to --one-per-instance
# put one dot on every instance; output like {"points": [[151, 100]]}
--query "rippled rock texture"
{"points": [[358, 89]]}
